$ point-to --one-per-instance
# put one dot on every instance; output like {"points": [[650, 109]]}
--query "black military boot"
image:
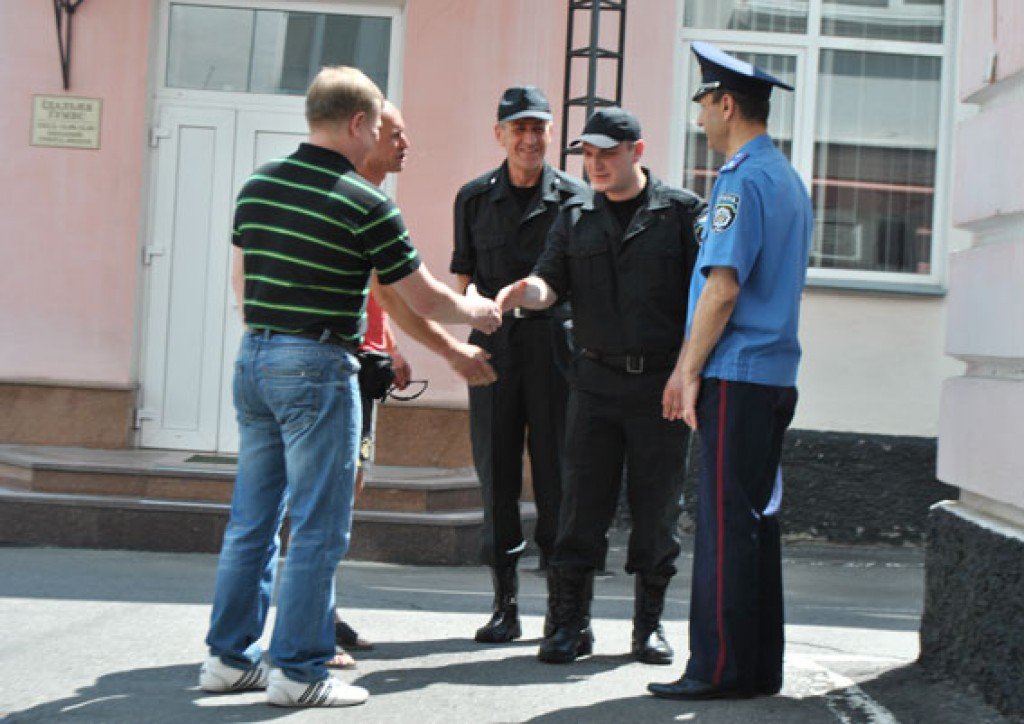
{"points": [[569, 593], [549, 616], [504, 625], [649, 643]]}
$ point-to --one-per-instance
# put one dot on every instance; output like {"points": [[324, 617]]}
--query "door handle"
{"points": [[148, 252]]}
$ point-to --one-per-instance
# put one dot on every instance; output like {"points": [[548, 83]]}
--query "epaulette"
{"points": [[733, 163], [481, 184], [568, 185], [682, 196]]}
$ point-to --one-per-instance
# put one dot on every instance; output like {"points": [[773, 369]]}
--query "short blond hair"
{"points": [[340, 92]]}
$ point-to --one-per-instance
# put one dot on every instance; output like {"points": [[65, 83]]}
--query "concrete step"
{"points": [[166, 500], [414, 489], [64, 520], [175, 475]]}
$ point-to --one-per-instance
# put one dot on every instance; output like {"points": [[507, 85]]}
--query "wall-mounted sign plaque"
{"points": [[66, 122]]}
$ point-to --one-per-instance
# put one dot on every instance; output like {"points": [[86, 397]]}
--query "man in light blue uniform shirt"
{"points": [[759, 225], [735, 384]]}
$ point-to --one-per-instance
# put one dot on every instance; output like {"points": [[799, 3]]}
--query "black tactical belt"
{"points": [[634, 364], [523, 313]]}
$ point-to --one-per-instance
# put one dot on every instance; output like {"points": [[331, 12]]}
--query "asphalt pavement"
{"points": [[116, 636]]}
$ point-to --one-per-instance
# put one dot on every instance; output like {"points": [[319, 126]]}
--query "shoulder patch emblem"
{"points": [[726, 209]]}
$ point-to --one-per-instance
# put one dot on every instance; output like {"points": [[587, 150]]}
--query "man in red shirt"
{"points": [[467, 360]]}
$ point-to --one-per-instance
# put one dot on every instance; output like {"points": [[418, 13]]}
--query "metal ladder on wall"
{"points": [[583, 59]]}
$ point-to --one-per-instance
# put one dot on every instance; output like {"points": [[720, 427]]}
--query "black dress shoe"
{"points": [[693, 690]]}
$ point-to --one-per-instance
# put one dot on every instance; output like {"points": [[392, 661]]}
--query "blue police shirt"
{"points": [[760, 223]]}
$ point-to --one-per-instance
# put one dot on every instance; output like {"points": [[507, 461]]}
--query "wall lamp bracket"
{"points": [[64, 11]]}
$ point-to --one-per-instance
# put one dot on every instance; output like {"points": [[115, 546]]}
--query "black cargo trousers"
{"points": [[526, 404]]}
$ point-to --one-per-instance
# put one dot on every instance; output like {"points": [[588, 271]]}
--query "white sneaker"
{"points": [[216, 676], [282, 691]]}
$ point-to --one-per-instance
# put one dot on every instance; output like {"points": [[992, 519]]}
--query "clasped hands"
{"points": [[511, 296], [485, 314]]}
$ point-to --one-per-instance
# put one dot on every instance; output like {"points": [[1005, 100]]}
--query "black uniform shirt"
{"points": [[496, 241], [628, 289]]}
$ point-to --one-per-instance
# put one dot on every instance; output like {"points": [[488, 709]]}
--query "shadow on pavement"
{"points": [[912, 693], [645, 708], [169, 694], [906, 695], [163, 693], [864, 588], [398, 650], [510, 671]]}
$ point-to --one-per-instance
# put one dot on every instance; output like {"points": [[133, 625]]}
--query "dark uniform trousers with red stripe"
{"points": [[736, 611]]}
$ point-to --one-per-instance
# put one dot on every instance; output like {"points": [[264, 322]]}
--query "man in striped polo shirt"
{"points": [[308, 231]]}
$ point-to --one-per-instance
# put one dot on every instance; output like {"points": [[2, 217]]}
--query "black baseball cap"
{"points": [[523, 101], [609, 127], [718, 69]]}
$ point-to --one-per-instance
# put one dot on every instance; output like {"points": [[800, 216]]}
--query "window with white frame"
{"points": [[249, 50], [864, 126]]}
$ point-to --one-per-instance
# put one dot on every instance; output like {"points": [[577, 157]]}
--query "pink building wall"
{"points": [[69, 219]]}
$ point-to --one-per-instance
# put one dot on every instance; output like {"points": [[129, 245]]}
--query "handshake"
{"points": [[485, 314]]}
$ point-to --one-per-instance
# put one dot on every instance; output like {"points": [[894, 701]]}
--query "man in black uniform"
{"points": [[623, 256], [501, 222]]}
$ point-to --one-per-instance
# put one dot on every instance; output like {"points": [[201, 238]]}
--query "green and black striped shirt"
{"points": [[311, 229]]}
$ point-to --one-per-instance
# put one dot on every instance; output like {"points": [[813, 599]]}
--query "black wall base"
{"points": [[850, 487], [972, 629]]}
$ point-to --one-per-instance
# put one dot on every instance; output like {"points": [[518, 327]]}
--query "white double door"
{"points": [[190, 325]]}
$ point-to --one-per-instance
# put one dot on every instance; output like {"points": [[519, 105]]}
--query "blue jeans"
{"points": [[297, 402]]}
